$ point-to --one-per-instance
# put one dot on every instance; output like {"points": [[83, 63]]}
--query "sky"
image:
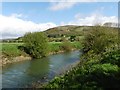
{"points": [[18, 18]]}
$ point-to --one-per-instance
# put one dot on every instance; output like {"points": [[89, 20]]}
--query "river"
{"points": [[24, 73]]}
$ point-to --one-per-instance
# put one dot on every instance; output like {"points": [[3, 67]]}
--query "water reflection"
{"points": [[38, 67], [20, 74]]}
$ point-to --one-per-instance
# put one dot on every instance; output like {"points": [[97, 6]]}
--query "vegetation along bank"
{"points": [[99, 67], [41, 44]]}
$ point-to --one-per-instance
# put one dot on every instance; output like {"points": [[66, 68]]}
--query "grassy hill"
{"points": [[67, 30], [57, 34]]}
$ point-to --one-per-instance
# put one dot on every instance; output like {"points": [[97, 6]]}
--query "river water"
{"points": [[21, 74]]}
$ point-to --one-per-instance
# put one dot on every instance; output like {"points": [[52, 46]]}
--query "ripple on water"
{"points": [[21, 74]]}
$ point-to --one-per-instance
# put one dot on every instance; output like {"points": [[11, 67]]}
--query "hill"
{"points": [[60, 33], [66, 30]]}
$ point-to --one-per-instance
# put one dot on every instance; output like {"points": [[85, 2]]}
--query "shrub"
{"points": [[112, 57], [36, 44], [99, 39], [66, 46], [106, 75], [99, 67]]}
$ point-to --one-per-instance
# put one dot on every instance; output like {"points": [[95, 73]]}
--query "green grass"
{"points": [[56, 46], [11, 49], [76, 45]]}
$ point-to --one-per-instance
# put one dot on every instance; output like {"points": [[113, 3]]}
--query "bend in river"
{"points": [[20, 74]]}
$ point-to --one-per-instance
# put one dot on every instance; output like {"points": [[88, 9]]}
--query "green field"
{"points": [[11, 49], [56, 46]]}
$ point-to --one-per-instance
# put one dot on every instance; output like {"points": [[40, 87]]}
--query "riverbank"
{"points": [[11, 53], [5, 60], [23, 74], [99, 67]]}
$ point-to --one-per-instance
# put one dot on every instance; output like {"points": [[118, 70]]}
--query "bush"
{"points": [[100, 39], [99, 67], [112, 57], [106, 75], [66, 46], [36, 44], [55, 47]]}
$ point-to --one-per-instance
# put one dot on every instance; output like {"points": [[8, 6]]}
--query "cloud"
{"points": [[65, 4], [13, 27], [62, 5], [92, 19], [17, 15]]}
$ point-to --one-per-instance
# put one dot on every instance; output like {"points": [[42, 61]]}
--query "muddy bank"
{"points": [[7, 60]]}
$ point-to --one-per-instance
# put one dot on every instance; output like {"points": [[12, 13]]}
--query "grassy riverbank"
{"points": [[97, 72], [11, 51], [99, 67]]}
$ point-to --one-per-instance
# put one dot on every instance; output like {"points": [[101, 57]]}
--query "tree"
{"points": [[99, 39], [66, 46], [36, 44], [72, 38]]}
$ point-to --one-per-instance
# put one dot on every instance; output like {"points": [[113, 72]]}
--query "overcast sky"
{"points": [[17, 18]]}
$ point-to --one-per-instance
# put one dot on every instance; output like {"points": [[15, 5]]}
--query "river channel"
{"points": [[21, 74]]}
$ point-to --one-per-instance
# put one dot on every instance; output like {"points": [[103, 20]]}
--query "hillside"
{"points": [[66, 30], [59, 33]]}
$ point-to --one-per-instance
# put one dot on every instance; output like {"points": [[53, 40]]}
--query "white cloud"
{"points": [[92, 19], [65, 4], [61, 5], [12, 27], [16, 15]]}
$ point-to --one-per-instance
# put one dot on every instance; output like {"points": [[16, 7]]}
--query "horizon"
{"points": [[18, 18]]}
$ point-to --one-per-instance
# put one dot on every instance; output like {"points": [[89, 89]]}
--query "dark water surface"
{"points": [[20, 74]]}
